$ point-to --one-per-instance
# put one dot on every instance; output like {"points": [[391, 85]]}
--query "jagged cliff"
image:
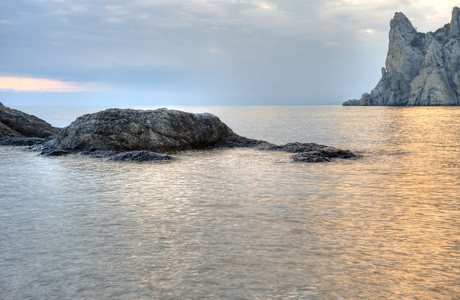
{"points": [[420, 69]]}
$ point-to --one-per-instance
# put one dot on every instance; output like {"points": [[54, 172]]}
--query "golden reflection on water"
{"points": [[420, 180], [246, 224]]}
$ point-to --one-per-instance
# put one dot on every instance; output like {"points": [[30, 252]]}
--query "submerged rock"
{"points": [[139, 156], [53, 152], [294, 147], [236, 141], [420, 69], [324, 154], [17, 124], [305, 152]]}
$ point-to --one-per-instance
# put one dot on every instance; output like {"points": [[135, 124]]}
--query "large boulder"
{"points": [[420, 69], [17, 124], [122, 130]]}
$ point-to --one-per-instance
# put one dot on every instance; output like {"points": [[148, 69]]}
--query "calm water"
{"points": [[243, 224]]}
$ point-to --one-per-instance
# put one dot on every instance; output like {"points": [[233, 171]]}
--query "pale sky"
{"points": [[199, 52]]}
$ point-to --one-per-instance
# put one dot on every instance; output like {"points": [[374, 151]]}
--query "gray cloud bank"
{"points": [[203, 52]]}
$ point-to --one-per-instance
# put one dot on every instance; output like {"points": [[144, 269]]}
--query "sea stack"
{"points": [[421, 69]]}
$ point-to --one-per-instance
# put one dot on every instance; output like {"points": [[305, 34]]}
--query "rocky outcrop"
{"points": [[420, 69], [15, 124], [123, 130], [304, 152], [138, 135], [351, 102]]}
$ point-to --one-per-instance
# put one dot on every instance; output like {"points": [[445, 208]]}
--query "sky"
{"points": [[199, 52]]}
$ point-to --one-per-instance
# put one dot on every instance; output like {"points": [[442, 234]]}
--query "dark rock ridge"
{"points": [[20, 141], [421, 69], [17, 125], [304, 152], [141, 135]]}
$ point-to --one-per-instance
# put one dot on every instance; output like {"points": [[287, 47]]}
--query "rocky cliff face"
{"points": [[420, 69]]}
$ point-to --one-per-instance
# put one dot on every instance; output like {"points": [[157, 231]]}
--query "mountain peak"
{"points": [[455, 22], [421, 69], [400, 19]]}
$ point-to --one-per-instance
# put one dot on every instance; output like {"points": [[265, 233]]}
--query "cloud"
{"points": [[209, 48], [28, 84], [428, 15]]}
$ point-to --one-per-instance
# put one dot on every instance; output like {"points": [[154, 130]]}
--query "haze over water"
{"points": [[242, 223]]}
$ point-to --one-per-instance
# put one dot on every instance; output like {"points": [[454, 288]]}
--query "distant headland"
{"points": [[421, 69]]}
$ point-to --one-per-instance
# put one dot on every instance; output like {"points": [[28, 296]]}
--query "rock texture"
{"points": [[139, 156], [122, 130], [20, 141], [17, 124], [420, 69], [323, 154]]}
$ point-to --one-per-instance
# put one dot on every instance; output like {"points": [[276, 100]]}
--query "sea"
{"points": [[242, 223]]}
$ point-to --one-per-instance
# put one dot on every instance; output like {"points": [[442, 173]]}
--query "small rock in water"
{"points": [[139, 156], [325, 154], [54, 152]]}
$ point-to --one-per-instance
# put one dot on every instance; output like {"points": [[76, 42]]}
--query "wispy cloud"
{"points": [[28, 84]]}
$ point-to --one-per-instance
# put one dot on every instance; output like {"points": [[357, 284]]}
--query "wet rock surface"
{"points": [[325, 154], [140, 156], [304, 152], [20, 141]]}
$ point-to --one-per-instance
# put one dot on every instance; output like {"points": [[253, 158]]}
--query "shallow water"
{"points": [[241, 223]]}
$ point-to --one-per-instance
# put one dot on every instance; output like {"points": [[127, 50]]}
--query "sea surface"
{"points": [[242, 223]]}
